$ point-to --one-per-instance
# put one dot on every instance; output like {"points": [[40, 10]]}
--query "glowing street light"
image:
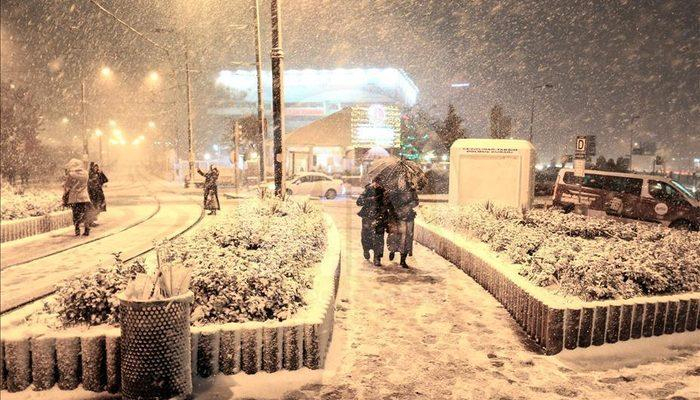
{"points": [[98, 132], [106, 72], [65, 120], [112, 123], [153, 77], [151, 124]]}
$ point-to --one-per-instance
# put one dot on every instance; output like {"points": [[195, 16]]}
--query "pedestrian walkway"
{"points": [[431, 332], [116, 219]]}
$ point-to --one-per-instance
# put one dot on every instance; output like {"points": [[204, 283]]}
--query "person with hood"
{"points": [[96, 179], [211, 195], [75, 195], [373, 214], [401, 204]]}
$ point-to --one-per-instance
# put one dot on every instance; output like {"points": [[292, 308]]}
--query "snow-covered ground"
{"points": [[431, 332]]}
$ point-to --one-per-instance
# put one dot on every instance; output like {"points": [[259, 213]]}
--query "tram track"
{"points": [[43, 294]]}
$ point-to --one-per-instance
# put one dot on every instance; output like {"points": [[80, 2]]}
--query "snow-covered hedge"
{"points": [[253, 264], [90, 298], [591, 258], [18, 204]]}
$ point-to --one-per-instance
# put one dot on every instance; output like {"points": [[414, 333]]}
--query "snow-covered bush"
{"points": [[591, 258], [90, 299], [253, 264], [17, 203]]}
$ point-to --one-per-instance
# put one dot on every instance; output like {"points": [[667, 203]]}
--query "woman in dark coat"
{"points": [[96, 180], [401, 204], [211, 195], [373, 214]]}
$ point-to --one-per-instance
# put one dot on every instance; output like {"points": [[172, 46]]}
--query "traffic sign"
{"points": [[581, 147]]}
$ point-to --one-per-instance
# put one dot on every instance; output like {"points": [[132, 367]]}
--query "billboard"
{"points": [[376, 125]]}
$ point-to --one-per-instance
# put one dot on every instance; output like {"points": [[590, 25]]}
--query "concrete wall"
{"points": [[21, 228], [556, 325]]}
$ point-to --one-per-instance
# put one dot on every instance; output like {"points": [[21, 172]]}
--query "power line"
{"points": [[144, 37]]}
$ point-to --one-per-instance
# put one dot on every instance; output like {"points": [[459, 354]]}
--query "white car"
{"points": [[313, 184]]}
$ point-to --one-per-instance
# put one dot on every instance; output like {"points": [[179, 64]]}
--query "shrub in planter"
{"points": [[17, 203], [90, 298], [591, 258], [253, 264]]}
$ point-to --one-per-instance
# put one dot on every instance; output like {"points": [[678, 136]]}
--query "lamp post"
{"points": [[532, 106], [277, 57], [98, 133], [261, 106]]}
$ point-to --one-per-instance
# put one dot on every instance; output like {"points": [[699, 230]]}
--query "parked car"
{"points": [[642, 197], [312, 184]]}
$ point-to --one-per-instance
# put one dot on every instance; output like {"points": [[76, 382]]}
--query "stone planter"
{"points": [[25, 227], [93, 358], [558, 323]]}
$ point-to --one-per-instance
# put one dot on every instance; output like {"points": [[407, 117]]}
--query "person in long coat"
{"points": [[96, 179], [374, 219], [401, 204], [211, 195], [76, 195]]}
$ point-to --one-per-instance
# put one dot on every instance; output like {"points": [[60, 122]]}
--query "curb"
{"points": [[25, 227]]}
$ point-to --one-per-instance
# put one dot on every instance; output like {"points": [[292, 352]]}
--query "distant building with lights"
{"points": [[332, 116], [311, 94], [341, 141]]}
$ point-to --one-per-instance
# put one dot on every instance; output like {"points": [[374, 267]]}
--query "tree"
{"points": [[600, 163], [451, 129], [19, 126], [500, 125], [416, 129]]}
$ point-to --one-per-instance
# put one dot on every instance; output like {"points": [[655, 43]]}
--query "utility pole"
{"points": [[236, 149], [532, 106], [83, 111], [189, 181], [261, 105], [277, 57]]}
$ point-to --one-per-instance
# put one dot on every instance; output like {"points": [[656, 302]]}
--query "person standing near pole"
{"points": [[211, 195], [96, 179]]}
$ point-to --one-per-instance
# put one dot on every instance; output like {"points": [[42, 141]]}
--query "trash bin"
{"points": [[155, 347]]}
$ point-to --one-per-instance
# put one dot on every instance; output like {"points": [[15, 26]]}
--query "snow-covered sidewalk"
{"points": [[431, 332]]}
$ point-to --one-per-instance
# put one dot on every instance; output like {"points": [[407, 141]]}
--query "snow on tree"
{"points": [[451, 128]]}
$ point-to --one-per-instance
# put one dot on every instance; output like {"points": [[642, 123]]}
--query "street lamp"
{"points": [[153, 77], [277, 57], [532, 107], [151, 124], [106, 72]]}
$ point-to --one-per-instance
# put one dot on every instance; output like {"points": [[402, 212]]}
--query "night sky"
{"points": [[607, 60]]}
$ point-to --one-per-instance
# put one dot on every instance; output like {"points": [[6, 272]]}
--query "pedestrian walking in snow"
{"points": [[373, 214], [211, 195], [76, 195], [401, 204], [96, 179]]}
